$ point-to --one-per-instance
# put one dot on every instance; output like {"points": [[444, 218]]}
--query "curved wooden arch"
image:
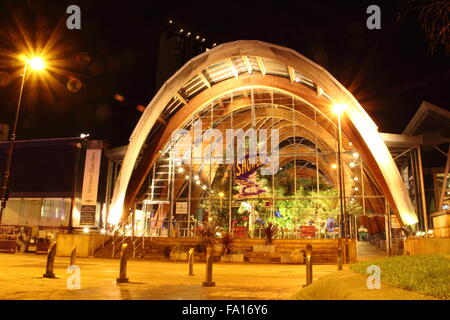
{"points": [[356, 123]]}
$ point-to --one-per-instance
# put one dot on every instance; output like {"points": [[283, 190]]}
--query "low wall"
{"points": [[426, 246], [66, 242], [324, 250], [441, 224]]}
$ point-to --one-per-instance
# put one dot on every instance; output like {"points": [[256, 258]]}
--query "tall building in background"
{"points": [[4, 130], [178, 44]]}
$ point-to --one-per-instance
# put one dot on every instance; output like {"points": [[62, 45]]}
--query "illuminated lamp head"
{"points": [[339, 108]]}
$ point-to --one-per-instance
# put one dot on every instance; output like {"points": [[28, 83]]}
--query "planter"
{"points": [[294, 258], [234, 257], [178, 256], [263, 248], [217, 250]]}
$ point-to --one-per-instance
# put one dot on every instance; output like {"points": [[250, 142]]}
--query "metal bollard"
{"points": [[309, 270], [123, 265], [339, 258], [73, 256], [191, 262], [50, 261], [209, 267]]}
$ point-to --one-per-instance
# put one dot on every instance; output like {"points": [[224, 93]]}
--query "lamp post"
{"points": [[35, 63], [338, 109]]}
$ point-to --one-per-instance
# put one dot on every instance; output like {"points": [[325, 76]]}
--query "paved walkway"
{"points": [[348, 285], [368, 251], [21, 278]]}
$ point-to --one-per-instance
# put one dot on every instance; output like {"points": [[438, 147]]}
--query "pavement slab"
{"points": [[21, 278]]}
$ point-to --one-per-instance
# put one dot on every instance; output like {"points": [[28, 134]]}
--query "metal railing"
{"points": [[118, 240], [98, 241], [139, 243]]}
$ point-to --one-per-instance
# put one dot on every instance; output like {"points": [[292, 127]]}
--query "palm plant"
{"points": [[208, 233], [227, 240], [270, 231]]}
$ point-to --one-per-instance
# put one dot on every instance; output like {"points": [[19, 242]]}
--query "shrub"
{"points": [[179, 248], [200, 248], [427, 274], [298, 255], [227, 240], [166, 252]]}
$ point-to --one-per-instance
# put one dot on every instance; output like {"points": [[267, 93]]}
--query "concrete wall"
{"points": [[441, 224], [66, 242], [426, 246], [324, 250]]}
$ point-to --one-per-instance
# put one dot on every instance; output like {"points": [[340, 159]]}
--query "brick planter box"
{"points": [[178, 256], [234, 257], [263, 248]]}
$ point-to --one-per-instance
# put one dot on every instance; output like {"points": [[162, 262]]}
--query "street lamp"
{"points": [[35, 63], [339, 109]]}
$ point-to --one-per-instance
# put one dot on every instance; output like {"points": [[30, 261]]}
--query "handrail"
{"points": [[115, 238], [98, 241], [136, 244], [117, 242], [139, 241]]}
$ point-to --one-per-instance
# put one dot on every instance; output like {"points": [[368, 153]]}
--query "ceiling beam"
{"points": [[319, 91], [261, 65], [179, 97], [247, 64], [291, 74], [205, 81], [233, 68]]}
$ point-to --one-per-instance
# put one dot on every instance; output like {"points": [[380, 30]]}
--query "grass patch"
{"points": [[428, 274]]}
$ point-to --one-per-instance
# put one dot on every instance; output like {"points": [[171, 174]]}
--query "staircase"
{"points": [[147, 251]]}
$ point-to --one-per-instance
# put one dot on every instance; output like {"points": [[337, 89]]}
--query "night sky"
{"points": [[390, 71]]}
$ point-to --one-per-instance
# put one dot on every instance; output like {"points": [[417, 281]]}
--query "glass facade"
{"points": [[254, 157]]}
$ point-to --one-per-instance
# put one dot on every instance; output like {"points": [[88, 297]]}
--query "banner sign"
{"points": [[90, 187], [245, 175]]}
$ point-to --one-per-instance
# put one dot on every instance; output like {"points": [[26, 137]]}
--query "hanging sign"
{"points": [[245, 176]]}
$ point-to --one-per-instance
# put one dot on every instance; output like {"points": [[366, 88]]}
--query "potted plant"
{"points": [[207, 233], [227, 254], [270, 231]]}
